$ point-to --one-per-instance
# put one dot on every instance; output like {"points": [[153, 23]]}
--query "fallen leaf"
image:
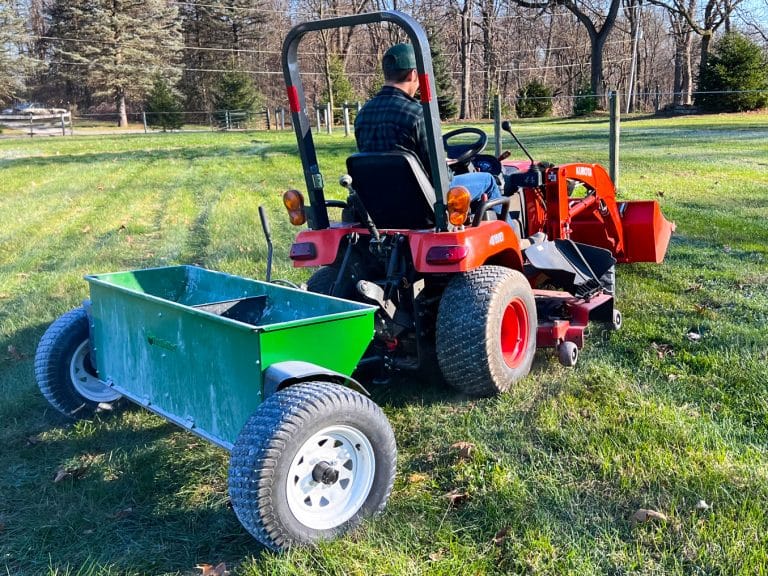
{"points": [[456, 498], [86, 230], [700, 308], [121, 228], [33, 440], [660, 194], [210, 570], [662, 350], [124, 513], [417, 478], [501, 535], [702, 505], [693, 336], [645, 515], [435, 556], [14, 352], [727, 249], [693, 288], [465, 449], [73, 473]]}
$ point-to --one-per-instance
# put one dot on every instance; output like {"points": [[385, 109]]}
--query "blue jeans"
{"points": [[479, 183]]}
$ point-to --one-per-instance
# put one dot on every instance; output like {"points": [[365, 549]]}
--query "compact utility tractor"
{"points": [[464, 290], [414, 278]]}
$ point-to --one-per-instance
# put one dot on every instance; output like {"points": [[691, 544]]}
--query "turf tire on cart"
{"points": [[486, 330], [64, 371], [310, 463]]}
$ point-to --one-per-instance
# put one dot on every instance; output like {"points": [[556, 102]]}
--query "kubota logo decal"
{"points": [[497, 238], [584, 171]]}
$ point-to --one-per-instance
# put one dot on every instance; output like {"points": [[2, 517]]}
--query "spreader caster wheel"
{"points": [[569, 354], [617, 320]]}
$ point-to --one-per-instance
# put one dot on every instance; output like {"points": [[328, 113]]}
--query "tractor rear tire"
{"points": [[64, 371], [486, 330], [311, 462], [322, 280]]}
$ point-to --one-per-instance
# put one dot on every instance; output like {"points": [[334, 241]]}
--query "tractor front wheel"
{"points": [[486, 330], [64, 371], [310, 463]]}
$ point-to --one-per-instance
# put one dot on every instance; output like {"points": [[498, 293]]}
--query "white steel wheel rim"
{"points": [[319, 505], [85, 381]]}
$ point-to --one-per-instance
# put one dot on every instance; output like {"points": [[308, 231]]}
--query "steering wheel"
{"points": [[462, 153]]}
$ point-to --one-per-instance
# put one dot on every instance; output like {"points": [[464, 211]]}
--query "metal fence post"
{"points": [[497, 123], [346, 119], [144, 119], [613, 139], [359, 106], [269, 120], [329, 118], [63, 126]]}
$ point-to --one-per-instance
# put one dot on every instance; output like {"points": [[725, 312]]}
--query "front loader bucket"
{"points": [[646, 231]]}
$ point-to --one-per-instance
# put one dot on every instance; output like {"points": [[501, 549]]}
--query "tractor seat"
{"points": [[394, 188]]}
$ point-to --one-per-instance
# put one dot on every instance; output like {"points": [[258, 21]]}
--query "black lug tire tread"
{"points": [[469, 360], [322, 280], [52, 360], [266, 435]]}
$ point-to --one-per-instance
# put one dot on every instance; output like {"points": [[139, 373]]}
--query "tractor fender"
{"points": [[283, 374]]}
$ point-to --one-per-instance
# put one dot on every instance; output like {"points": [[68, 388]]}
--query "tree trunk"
{"points": [[466, 59], [122, 121]]}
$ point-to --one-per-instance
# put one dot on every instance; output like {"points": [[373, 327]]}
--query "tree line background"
{"points": [[200, 56]]}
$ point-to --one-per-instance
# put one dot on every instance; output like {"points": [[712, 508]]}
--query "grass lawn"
{"points": [[669, 414]]}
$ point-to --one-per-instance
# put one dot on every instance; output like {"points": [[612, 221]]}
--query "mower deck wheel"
{"points": [[569, 354], [617, 320]]}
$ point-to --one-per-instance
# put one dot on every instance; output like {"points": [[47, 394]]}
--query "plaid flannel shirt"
{"points": [[392, 120]]}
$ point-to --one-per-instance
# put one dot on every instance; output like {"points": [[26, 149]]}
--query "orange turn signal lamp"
{"points": [[294, 203], [458, 205]]}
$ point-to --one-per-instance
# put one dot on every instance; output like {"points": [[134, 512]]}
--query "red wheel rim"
{"points": [[514, 333]]}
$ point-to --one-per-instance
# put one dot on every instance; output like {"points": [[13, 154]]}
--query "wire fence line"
{"points": [[323, 118]]}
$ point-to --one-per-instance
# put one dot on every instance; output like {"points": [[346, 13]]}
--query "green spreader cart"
{"points": [[260, 369]]}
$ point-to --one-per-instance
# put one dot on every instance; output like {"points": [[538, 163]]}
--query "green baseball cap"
{"points": [[399, 57]]}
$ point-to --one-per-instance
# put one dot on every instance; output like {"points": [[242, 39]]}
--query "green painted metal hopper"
{"points": [[192, 344]]}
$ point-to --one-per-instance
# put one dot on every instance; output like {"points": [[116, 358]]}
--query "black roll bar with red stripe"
{"points": [[317, 213]]}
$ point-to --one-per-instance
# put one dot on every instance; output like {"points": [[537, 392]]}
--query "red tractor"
{"points": [[462, 293]]}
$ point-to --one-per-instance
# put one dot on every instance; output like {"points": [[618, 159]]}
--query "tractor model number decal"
{"points": [[584, 171], [497, 238]]}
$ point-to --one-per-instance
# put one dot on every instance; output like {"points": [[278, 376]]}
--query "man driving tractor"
{"points": [[394, 120]]}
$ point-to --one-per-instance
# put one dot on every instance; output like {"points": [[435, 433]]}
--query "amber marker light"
{"points": [[294, 203], [458, 205]]}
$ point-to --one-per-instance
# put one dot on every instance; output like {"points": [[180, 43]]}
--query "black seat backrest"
{"points": [[394, 188]]}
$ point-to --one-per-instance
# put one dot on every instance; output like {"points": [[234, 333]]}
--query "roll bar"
{"points": [[317, 213]]}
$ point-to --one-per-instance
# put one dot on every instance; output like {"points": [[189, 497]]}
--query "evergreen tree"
{"points": [[446, 90], [229, 32], [117, 47], [13, 64], [534, 100], [163, 107], [739, 66], [340, 85], [235, 98]]}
